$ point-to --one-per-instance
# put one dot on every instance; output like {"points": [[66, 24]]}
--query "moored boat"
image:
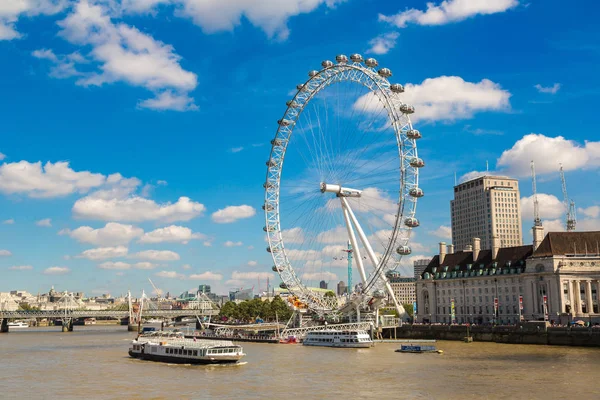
{"points": [[418, 348], [174, 348], [333, 338], [18, 325]]}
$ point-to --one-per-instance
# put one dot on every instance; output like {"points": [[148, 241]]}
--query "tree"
{"points": [[229, 310], [409, 309], [329, 293], [27, 307]]}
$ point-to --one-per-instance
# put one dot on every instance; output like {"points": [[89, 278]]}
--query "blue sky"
{"points": [[154, 118]]}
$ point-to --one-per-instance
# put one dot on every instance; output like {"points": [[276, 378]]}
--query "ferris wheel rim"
{"points": [[282, 264]]}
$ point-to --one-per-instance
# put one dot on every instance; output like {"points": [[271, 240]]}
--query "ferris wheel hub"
{"points": [[339, 190]]}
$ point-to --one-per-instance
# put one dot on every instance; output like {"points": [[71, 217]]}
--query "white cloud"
{"points": [[317, 276], [64, 65], [111, 234], [156, 255], [56, 271], [136, 209], [47, 222], [295, 254], [169, 100], [114, 265], [8, 221], [338, 234], [102, 253], [448, 11], [231, 214], [549, 205], [383, 43], [51, 180], [451, 98], [443, 232], [170, 274], [125, 54], [547, 153], [207, 276], [230, 243], [555, 225], [270, 15], [11, 10], [293, 235], [551, 89], [251, 276], [144, 265], [2, 156], [21, 268], [207, 243], [5, 253], [592, 212], [173, 234], [252, 263], [236, 149]]}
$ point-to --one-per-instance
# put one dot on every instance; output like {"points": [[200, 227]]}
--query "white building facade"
{"points": [[512, 284]]}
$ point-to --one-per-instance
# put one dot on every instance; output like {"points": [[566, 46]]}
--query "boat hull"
{"points": [[180, 360], [364, 345]]}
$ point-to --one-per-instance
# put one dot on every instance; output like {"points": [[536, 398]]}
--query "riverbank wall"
{"points": [[527, 333]]}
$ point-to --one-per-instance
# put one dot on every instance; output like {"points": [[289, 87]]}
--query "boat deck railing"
{"points": [[187, 343]]}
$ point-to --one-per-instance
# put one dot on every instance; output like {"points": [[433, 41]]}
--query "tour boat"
{"points": [[154, 321], [290, 340], [175, 349], [418, 348], [18, 325], [333, 338]]}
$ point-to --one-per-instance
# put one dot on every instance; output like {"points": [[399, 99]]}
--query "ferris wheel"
{"points": [[350, 182]]}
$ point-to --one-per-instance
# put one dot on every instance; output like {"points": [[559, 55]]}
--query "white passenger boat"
{"points": [[333, 338], [18, 325], [174, 348]]}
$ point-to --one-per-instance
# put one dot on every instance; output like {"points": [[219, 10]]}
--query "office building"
{"points": [[341, 288], [419, 266], [323, 285], [485, 207], [403, 288]]}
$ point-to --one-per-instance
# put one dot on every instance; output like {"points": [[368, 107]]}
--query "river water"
{"points": [[92, 362]]}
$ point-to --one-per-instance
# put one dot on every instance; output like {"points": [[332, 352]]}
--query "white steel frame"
{"points": [[379, 86]]}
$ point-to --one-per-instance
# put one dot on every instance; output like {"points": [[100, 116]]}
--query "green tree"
{"points": [[284, 312], [409, 309], [229, 310], [329, 293], [27, 307]]}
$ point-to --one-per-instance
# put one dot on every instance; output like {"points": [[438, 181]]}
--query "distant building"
{"points": [[419, 266], [204, 289], [342, 288], [485, 207], [403, 288], [241, 295], [323, 285]]}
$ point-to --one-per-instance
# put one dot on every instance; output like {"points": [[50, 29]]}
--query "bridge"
{"points": [[67, 310]]}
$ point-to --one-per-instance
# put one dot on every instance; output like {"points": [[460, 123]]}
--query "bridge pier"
{"points": [[133, 328], [67, 325], [198, 324], [3, 325]]}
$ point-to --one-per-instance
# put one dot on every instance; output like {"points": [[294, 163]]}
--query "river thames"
{"points": [[92, 362]]}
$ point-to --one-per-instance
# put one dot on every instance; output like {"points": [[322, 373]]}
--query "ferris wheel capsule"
{"points": [[413, 134], [412, 222], [268, 185], [416, 192], [407, 109], [404, 250], [271, 163], [417, 162], [313, 73], [397, 88], [379, 294], [282, 285], [277, 142], [268, 207], [285, 122], [291, 103], [300, 86], [371, 62], [341, 59], [357, 58], [327, 64], [385, 72], [275, 268]]}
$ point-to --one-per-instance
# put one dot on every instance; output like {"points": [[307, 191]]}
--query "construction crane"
{"points": [[156, 290], [536, 206], [571, 219]]}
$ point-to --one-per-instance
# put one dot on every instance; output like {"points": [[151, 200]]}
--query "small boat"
{"points": [[418, 348], [333, 338], [175, 349], [154, 321], [18, 325], [290, 340], [89, 321]]}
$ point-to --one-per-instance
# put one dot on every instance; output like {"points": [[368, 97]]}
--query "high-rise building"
{"points": [[323, 285], [204, 289], [403, 288], [341, 288], [484, 207], [420, 265]]}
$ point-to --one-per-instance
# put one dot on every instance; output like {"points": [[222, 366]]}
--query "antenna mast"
{"points": [[571, 219], [536, 207]]}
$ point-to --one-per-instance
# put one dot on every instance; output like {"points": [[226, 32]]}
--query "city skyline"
{"points": [[133, 140]]}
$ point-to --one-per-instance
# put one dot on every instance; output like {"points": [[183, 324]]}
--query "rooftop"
{"points": [[569, 244]]}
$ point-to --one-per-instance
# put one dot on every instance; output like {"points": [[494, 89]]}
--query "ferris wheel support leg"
{"points": [[359, 261]]}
